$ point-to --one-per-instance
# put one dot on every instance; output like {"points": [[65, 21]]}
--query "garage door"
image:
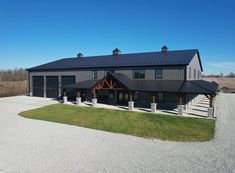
{"points": [[66, 80], [38, 84], [52, 88]]}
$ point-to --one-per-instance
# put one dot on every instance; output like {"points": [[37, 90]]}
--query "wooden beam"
{"points": [[154, 98], [211, 100], [181, 100], [111, 83], [94, 93], [78, 93], [130, 97], [107, 83]]}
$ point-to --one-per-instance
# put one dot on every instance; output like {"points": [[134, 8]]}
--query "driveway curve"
{"points": [[28, 145]]}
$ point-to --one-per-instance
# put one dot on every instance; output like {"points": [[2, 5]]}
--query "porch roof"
{"points": [[173, 86]]}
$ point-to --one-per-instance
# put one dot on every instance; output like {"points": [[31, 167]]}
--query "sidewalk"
{"points": [[197, 109]]}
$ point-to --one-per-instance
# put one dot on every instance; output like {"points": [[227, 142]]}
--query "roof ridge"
{"points": [[94, 56]]}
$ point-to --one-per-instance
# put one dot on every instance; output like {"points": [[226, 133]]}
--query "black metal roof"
{"points": [[174, 86], [178, 57], [84, 84]]}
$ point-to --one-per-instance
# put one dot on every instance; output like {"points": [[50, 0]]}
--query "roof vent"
{"points": [[164, 49], [79, 55], [116, 51]]}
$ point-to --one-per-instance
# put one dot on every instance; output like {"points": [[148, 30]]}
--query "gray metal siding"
{"points": [[194, 64], [169, 73]]}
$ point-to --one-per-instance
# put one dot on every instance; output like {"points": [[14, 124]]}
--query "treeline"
{"points": [[17, 74], [230, 75], [13, 82]]}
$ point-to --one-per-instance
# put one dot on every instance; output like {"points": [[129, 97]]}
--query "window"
{"points": [[136, 95], [190, 71], [138, 74], [160, 97], [126, 96], [194, 74], [120, 96], [94, 74], [158, 73]]}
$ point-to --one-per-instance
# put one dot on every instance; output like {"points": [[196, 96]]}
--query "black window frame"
{"points": [[137, 75], [94, 74], [136, 95], [159, 69], [161, 99]]}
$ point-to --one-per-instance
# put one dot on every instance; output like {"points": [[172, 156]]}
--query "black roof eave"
{"points": [[108, 67]]}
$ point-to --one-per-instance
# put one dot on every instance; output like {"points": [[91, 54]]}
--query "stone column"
{"points": [[94, 102], [153, 107], [65, 99], [131, 105], [180, 109], [210, 112], [78, 101]]}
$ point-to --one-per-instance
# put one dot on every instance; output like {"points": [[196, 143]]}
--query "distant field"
{"points": [[223, 82], [229, 82], [8, 88]]}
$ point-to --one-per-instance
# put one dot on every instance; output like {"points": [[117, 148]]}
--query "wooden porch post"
{"points": [[154, 98], [94, 94], [78, 93], [180, 100], [64, 92], [211, 100], [130, 97]]}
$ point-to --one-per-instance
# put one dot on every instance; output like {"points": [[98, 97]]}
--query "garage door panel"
{"points": [[38, 85], [52, 86]]}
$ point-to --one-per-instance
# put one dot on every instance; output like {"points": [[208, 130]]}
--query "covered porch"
{"points": [[152, 95]]}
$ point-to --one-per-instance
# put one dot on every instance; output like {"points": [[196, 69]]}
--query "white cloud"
{"points": [[223, 65]]}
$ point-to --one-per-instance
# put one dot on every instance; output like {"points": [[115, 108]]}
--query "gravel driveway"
{"points": [[31, 146]]}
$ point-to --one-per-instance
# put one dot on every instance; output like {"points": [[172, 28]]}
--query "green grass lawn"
{"points": [[147, 125]]}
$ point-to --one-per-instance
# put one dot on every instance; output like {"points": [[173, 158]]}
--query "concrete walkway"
{"points": [[197, 109], [28, 145]]}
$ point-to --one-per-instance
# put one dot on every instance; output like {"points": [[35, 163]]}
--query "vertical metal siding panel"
{"points": [[126, 72], [149, 74], [100, 74]]}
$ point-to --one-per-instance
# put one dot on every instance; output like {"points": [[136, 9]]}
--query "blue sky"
{"points": [[36, 32]]}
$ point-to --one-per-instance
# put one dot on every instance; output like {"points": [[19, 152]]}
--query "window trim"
{"points": [[136, 93], [139, 75], [161, 69], [94, 74], [163, 97]]}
